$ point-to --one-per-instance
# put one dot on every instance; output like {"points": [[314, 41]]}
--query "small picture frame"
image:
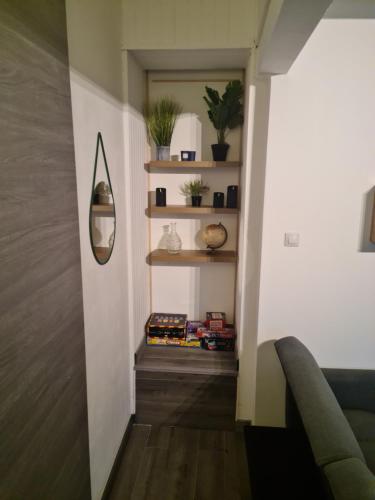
{"points": [[187, 155]]}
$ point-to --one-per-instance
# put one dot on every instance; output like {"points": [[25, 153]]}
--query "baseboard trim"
{"points": [[116, 463], [240, 424]]}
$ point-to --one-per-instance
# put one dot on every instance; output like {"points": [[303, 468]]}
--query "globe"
{"points": [[214, 236]]}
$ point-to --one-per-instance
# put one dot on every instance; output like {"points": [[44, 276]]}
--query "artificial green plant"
{"points": [[160, 117], [225, 112]]}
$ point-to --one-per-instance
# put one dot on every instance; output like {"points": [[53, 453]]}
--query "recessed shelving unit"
{"points": [[103, 210], [188, 165], [192, 257], [189, 210]]}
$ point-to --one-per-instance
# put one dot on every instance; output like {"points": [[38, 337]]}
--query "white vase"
{"points": [[163, 240], [173, 240], [163, 153]]}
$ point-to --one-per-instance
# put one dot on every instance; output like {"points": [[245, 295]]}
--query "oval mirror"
{"points": [[102, 208]]}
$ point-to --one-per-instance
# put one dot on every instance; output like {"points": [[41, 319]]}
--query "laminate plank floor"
{"points": [[177, 463]]}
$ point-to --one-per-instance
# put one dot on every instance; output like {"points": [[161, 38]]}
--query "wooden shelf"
{"points": [[191, 257], [103, 210], [176, 165], [189, 210]]}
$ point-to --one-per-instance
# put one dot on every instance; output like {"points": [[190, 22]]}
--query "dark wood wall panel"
{"points": [[44, 451]]}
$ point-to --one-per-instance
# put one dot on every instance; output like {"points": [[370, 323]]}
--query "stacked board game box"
{"points": [[174, 330], [216, 335], [192, 339], [171, 329], [166, 325]]}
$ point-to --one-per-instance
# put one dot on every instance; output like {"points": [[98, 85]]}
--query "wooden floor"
{"points": [[176, 463]]}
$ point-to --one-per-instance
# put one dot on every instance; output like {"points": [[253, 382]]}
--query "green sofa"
{"points": [[336, 410]]}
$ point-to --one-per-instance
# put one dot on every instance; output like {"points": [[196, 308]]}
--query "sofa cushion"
{"points": [[352, 388], [363, 426], [350, 479], [330, 435]]}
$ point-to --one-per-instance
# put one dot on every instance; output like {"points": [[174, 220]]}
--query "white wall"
{"points": [[200, 24], [134, 82], [320, 166], [136, 153], [95, 32], [250, 235], [104, 287], [96, 89]]}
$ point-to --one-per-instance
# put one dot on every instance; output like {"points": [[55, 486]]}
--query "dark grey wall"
{"points": [[43, 411]]}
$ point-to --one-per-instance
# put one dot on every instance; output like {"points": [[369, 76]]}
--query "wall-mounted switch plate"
{"points": [[291, 240]]}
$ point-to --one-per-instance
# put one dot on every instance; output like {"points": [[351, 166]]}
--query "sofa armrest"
{"points": [[328, 431], [354, 389], [350, 479]]}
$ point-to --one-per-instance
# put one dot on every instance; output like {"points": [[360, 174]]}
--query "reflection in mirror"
{"points": [[102, 208]]}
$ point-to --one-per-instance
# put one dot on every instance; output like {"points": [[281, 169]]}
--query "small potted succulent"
{"points": [[225, 113], [195, 189], [160, 117]]}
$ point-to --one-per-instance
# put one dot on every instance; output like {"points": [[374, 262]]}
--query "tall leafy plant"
{"points": [[225, 112], [160, 117]]}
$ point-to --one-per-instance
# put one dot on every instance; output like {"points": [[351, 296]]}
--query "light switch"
{"points": [[291, 240]]}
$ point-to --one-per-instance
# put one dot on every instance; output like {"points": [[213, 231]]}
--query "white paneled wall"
{"points": [[188, 24], [136, 204], [105, 290]]}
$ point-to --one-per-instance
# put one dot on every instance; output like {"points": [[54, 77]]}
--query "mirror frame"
{"points": [[99, 143]]}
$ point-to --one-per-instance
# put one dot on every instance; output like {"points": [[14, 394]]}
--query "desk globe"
{"points": [[214, 236]]}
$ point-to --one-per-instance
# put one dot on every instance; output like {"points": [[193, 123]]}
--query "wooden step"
{"points": [[186, 386], [189, 360]]}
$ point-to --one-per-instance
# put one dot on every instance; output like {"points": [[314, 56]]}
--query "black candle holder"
{"points": [[161, 197], [218, 200], [232, 195]]}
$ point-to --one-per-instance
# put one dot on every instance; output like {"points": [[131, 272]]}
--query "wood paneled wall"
{"points": [[43, 409]]}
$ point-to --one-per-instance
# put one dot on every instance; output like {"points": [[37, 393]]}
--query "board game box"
{"points": [[166, 325], [168, 341], [215, 320], [217, 344], [224, 333]]}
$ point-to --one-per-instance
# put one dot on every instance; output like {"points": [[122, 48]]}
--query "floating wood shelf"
{"points": [[103, 210], [188, 210], [192, 257], [176, 165]]}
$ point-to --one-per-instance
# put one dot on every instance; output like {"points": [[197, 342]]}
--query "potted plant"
{"points": [[225, 113], [195, 189], [160, 117]]}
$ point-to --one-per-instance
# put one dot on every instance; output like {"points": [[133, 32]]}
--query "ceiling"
{"points": [[351, 9], [203, 59]]}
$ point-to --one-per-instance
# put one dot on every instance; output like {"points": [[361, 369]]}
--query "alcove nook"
{"points": [[185, 385]]}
